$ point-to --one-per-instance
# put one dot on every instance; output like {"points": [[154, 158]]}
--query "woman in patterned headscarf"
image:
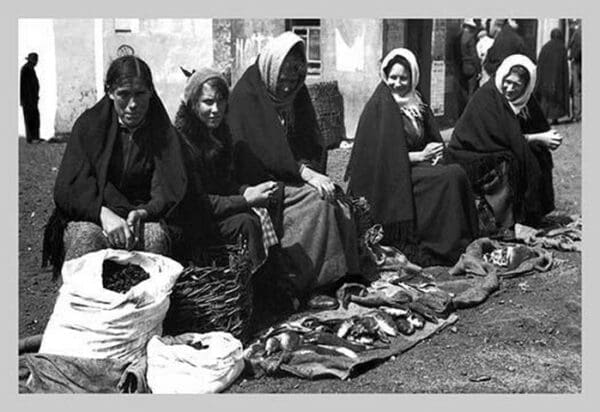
{"points": [[276, 137], [503, 143], [427, 208]]}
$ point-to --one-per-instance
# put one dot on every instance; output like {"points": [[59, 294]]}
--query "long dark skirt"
{"points": [[446, 219], [319, 239]]}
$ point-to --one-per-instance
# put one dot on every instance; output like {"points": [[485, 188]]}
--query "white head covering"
{"points": [[517, 60], [271, 59], [411, 104]]}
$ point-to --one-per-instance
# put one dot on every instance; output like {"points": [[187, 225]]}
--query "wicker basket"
{"points": [[329, 108], [216, 297]]}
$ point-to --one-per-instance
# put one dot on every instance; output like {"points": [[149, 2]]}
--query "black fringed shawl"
{"points": [[263, 150], [379, 168], [489, 131], [81, 184]]}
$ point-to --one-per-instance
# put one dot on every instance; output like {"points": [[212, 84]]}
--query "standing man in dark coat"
{"points": [[30, 89], [575, 57], [470, 67], [506, 42], [552, 88]]}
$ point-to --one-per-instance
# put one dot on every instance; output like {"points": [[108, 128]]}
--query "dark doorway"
{"points": [[418, 39]]}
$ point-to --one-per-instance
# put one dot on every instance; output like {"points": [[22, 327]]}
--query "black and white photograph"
{"points": [[300, 205]]}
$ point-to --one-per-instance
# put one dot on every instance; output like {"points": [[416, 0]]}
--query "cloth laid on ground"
{"points": [[46, 373], [484, 256], [470, 291], [566, 238], [312, 361]]}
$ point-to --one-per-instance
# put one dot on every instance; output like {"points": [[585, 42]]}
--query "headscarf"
{"points": [[411, 104], [193, 86], [519, 103], [270, 61]]}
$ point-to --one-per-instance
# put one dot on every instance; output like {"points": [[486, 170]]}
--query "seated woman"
{"points": [[208, 153], [121, 174], [276, 137], [427, 209], [502, 143]]}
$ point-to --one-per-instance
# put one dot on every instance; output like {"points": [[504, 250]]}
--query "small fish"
{"points": [[345, 293], [344, 328], [255, 349], [424, 311], [416, 320], [323, 302], [385, 322], [272, 345], [395, 312], [340, 349], [288, 341], [404, 326], [331, 339]]}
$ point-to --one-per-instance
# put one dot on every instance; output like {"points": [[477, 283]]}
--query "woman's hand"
{"points": [[135, 221], [551, 139], [322, 183], [260, 195], [432, 150], [115, 229]]}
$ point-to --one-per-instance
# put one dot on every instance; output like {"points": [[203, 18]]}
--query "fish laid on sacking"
{"points": [[347, 290], [384, 322], [255, 349], [288, 340], [404, 326], [324, 338], [424, 311], [342, 350], [272, 345], [395, 312], [323, 302], [416, 320]]}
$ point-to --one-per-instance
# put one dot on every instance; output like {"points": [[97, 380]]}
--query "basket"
{"points": [[329, 109], [214, 297]]}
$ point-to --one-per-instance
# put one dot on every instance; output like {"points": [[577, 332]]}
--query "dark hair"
{"points": [[218, 84], [556, 34], [127, 67], [520, 71], [397, 60]]}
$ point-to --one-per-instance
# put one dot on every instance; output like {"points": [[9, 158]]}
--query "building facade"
{"points": [[75, 54]]}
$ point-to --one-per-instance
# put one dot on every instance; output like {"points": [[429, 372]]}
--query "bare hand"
{"points": [[432, 150], [552, 139], [323, 184], [260, 195], [134, 222], [115, 229]]}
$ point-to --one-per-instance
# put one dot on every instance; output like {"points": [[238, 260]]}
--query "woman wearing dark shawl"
{"points": [[552, 88], [276, 137], [121, 174], [216, 209], [503, 146], [427, 209]]}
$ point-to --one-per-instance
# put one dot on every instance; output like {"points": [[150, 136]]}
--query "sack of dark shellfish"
{"points": [[110, 304]]}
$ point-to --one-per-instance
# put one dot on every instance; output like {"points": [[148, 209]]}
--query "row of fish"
{"points": [[346, 337]]}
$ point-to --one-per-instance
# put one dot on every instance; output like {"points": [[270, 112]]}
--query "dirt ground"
{"points": [[525, 339]]}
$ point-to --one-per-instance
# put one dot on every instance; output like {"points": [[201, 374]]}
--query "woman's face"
{"points": [[291, 74], [131, 101], [210, 107], [513, 86], [398, 79]]}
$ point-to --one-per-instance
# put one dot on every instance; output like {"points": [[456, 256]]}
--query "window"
{"points": [[310, 31]]}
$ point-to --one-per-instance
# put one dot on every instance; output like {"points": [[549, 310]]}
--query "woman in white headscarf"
{"points": [[276, 137], [427, 208], [503, 143]]}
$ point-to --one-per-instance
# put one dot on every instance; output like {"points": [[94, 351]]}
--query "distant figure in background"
{"points": [[552, 89], [30, 90], [575, 57], [507, 42], [484, 42], [470, 67]]}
